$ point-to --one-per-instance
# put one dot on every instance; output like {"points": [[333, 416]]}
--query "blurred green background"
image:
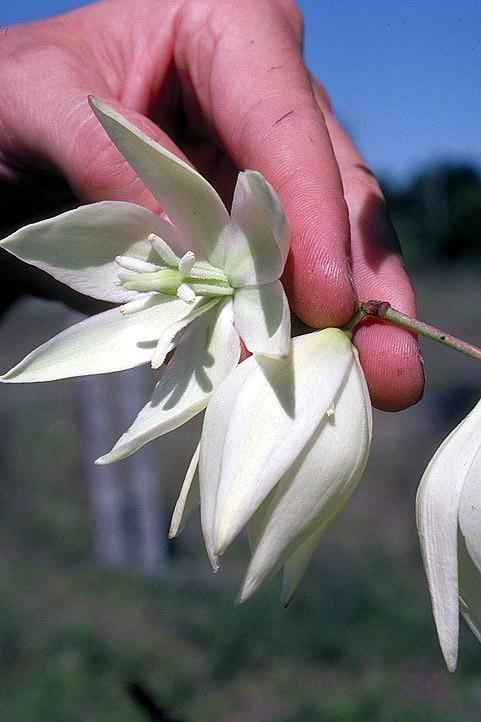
{"points": [[102, 620]]}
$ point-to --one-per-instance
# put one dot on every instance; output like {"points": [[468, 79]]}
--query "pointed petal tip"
{"points": [[451, 662], [249, 587], [103, 460], [243, 595], [240, 599], [450, 657], [286, 597], [213, 558], [95, 103], [14, 376]]}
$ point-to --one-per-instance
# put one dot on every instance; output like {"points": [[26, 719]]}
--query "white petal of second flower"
{"points": [[189, 497], [296, 565], [101, 344], [317, 484], [470, 506], [437, 509], [79, 247], [274, 414], [258, 243], [262, 317], [207, 350], [212, 442]]}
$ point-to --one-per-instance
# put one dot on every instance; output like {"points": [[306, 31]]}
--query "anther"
{"points": [[135, 264], [185, 293], [164, 251], [186, 263]]}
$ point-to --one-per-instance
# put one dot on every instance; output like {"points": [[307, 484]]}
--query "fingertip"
{"points": [[392, 363], [318, 285]]}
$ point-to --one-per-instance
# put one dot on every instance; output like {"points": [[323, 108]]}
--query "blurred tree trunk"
{"points": [[96, 415], [129, 520], [144, 474]]}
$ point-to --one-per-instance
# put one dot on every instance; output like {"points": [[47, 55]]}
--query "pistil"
{"points": [[183, 277]]}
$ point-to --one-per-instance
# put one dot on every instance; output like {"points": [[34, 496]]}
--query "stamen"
{"points": [[164, 345], [164, 251], [186, 293], [135, 264], [206, 272], [186, 263], [138, 304], [330, 412], [124, 277]]}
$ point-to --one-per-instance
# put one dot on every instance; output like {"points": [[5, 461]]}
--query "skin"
{"points": [[223, 84]]}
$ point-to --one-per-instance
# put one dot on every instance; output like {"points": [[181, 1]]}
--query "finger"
{"points": [[389, 355], [257, 95], [58, 131]]}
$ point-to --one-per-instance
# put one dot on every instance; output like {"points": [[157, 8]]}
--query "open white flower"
{"points": [[283, 446], [448, 510], [198, 279]]}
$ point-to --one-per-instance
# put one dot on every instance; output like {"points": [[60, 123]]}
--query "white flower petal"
{"points": [[180, 317], [109, 341], [295, 567], [437, 508], [318, 483], [214, 430], [262, 317], [207, 350], [470, 505], [189, 497], [79, 247], [258, 238], [275, 413], [189, 200]]}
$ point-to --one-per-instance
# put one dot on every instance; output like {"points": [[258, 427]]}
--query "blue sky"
{"points": [[404, 78]]}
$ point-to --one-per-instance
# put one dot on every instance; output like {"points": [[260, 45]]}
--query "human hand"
{"points": [[223, 85]]}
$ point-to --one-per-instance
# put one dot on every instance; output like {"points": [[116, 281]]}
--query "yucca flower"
{"points": [[197, 279], [283, 446]]}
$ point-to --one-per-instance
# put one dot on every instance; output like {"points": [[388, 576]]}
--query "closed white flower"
{"points": [[448, 510], [283, 446]]}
